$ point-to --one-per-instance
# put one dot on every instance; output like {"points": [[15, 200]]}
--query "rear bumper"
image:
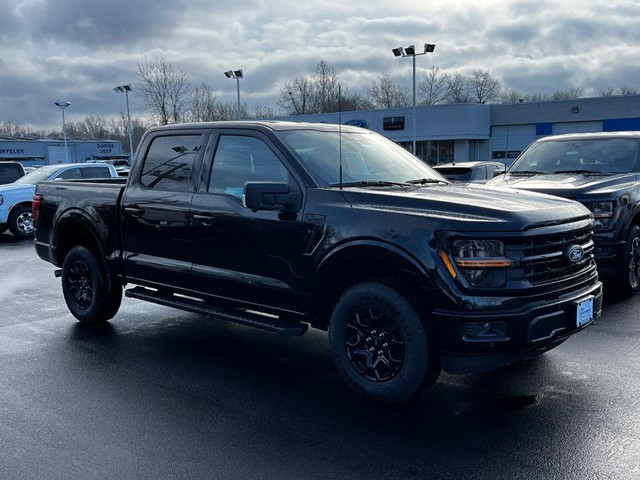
{"points": [[477, 341]]}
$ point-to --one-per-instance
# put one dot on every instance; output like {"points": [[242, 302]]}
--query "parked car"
{"points": [[122, 165], [471, 172], [602, 171], [16, 197], [10, 172], [286, 225]]}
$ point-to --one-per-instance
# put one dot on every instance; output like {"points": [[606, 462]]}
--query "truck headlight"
{"points": [[481, 262], [602, 213]]}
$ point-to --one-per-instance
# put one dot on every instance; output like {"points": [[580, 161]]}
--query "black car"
{"points": [[602, 171]]}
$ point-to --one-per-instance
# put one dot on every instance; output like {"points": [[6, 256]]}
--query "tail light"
{"points": [[36, 206]]}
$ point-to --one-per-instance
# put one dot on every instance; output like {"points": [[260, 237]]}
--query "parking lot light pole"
{"points": [[126, 89], [237, 74], [63, 105], [410, 51]]}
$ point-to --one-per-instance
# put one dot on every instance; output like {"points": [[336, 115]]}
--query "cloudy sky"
{"points": [[78, 50]]}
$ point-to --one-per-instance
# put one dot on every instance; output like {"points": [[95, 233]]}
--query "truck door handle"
{"points": [[134, 210], [205, 219]]}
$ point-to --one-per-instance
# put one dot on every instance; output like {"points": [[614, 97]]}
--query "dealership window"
{"points": [[432, 152]]}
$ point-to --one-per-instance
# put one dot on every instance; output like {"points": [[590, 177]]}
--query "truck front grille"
{"points": [[544, 260]]}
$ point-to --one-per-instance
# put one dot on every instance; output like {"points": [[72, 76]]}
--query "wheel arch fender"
{"points": [[359, 261], [77, 227]]}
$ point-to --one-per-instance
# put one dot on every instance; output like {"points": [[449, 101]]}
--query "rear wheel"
{"points": [[380, 345], [21, 222], [85, 287], [630, 279]]}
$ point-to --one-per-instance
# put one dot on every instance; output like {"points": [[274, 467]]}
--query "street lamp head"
{"points": [[410, 50], [429, 47], [238, 73], [397, 51], [229, 74], [62, 104], [123, 88]]}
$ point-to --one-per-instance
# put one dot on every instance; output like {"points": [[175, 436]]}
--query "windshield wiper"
{"points": [[424, 181], [528, 172], [368, 183], [585, 172]]}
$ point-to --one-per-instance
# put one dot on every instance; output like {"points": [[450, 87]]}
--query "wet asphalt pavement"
{"points": [[162, 394]]}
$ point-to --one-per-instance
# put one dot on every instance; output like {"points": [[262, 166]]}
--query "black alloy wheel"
{"points": [[380, 344], [86, 288], [632, 260], [374, 344]]}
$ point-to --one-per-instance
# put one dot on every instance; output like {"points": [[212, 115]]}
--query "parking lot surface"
{"points": [[162, 394]]}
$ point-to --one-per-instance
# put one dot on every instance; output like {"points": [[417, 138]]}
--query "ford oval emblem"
{"points": [[575, 253], [357, 123]]}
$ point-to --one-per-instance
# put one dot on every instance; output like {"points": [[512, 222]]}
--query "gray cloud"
{"points": [[79, 49]]}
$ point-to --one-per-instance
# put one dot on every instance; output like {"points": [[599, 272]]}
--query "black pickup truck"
{"points": [[282, 226], [602, 171]]}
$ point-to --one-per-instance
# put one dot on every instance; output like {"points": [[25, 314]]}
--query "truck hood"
{"points": [[567, 185], [470, 206]]}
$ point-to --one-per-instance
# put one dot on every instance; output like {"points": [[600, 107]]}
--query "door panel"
{"points": [[256, 257], [156, 229]]}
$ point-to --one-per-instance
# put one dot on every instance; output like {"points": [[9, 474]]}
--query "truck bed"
{"points": [[95, 201]]}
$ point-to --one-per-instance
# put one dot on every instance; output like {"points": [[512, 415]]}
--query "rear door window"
{"points": [[71, 174], [169, 162], [9, 172], [96, 172]]}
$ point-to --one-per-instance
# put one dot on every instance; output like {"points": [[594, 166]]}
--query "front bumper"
{"points": [[480, 340]]}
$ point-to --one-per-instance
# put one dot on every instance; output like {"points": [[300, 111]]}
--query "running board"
{"points": [[270, 323]]}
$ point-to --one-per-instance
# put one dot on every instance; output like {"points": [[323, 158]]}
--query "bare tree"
{"points": [[537, 97], [457, 88], [11, 129], [164, 89], [568, 94], [262, 110], [433, 87], [385, 93], [355, 101], [484, 87], [326, 89], [628, 90], [93, 127], [202, 104], [608, 92], [297, 98], [511, 95]]}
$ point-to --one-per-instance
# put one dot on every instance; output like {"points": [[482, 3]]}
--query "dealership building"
{"points": [[48, 151], [467, 131]]}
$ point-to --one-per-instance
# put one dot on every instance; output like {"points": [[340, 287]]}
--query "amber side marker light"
{"points": [[447, 263]]}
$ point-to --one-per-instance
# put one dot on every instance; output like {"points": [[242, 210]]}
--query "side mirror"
{"points": [[270, 196], [499, 171]]}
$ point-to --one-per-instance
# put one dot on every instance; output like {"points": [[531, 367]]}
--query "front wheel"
{"points": [[21, 222], [380, 345], [85, 287], [630, 278]]}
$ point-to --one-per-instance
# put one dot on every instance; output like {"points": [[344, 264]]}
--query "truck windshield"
{"points": [[586, 156], [367, 158]]}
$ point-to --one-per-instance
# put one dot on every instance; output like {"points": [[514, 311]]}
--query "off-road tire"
{"points": [[85, 287], [380, 345]]}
